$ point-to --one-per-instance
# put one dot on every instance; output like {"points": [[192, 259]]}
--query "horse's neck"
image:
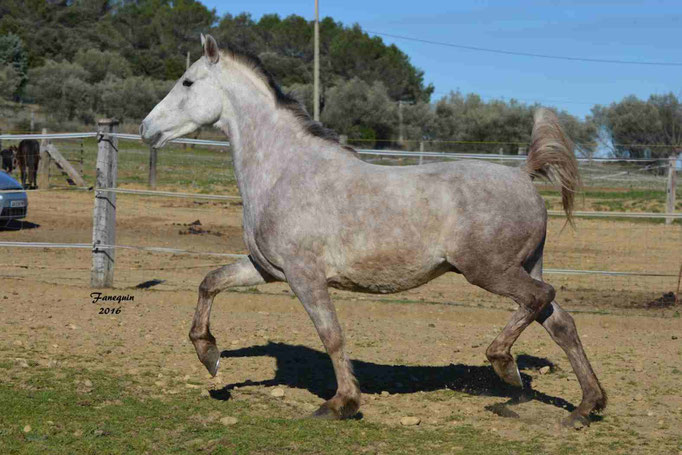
{"points": [[266, 140]]}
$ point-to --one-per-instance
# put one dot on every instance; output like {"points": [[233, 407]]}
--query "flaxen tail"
{"points": [[551, 157]]}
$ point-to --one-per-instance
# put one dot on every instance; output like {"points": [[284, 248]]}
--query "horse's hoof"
{"points": [[211, 359], [325, 412], [214, 370], [575, 421], [508, 372]]}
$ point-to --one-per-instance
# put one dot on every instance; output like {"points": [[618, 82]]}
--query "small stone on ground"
{"points": [[227, 421], [410, 421], [277, 393]]}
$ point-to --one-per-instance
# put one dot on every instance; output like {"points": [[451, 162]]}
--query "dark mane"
{"points": [[284, 100]]}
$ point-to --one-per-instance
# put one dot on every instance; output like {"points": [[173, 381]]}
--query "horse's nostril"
{"points": [[142, 129]]}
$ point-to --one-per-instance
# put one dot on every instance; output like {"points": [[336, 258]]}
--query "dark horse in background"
{"points": [[9, 159], [28, 157]]}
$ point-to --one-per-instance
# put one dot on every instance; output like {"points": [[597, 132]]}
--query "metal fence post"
{"points": [[104, 216], [152, 168], [670, 189]]}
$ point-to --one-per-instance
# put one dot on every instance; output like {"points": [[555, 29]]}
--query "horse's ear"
{"points": [[203, 40], [211, 50]]}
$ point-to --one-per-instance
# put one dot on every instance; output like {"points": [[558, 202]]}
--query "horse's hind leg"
{"points": [[532, 295], [562, 329], [241, 273], [32, 180]]}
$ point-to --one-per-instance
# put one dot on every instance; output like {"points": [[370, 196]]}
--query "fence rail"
{"points": [[103, 247], [156, 249], [221, 197], [378, 152]]}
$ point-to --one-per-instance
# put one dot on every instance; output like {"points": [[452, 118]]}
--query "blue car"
{"points": [[13, 199]]}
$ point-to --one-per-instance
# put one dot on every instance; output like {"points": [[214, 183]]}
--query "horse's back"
{"points": [[29, 147]]}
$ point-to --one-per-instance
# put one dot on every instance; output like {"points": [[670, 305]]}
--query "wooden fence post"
{"points": [[43, 178], [152, 168], [421, 152], [104, 217], [670, 189]]}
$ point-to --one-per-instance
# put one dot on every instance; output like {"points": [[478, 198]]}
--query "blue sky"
{"points": [[624, 30]]}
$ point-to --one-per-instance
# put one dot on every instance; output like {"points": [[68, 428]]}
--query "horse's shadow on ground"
{"points": [[305, 368]]}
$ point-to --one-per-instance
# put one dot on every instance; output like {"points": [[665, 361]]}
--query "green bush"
{"points": [[9, 81], [100, 64], [360, 110], [62, 88], [131, 98]]}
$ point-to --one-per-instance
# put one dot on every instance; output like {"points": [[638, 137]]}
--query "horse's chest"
{"points": [[260, 248]]}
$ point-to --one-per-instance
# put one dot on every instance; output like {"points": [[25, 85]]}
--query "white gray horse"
{"points": [[317, 216]]}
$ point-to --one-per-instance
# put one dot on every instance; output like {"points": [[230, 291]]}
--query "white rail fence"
{"points": [[104, 219]]}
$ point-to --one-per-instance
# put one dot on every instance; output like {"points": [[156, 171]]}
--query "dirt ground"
{"points": [[418, 353]]}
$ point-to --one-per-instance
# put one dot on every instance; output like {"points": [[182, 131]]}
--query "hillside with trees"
{"points": [[80, 59]]}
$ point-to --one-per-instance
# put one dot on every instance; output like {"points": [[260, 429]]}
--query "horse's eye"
{"points": [[187, 83]]}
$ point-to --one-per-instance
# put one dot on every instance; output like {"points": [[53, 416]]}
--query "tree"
{"points": [[14, 61], [642, 129], [99, 64], [582, 133], [131, 98], [286, 48], [361, 111], [63, 89], [9, 81], [418, 121], [497, 125], [303, 93]]}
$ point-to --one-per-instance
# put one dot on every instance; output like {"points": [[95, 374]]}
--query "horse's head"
{"points": [[194, 100]]}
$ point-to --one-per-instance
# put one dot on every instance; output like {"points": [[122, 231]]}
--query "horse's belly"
{"points": [[380, 278]]}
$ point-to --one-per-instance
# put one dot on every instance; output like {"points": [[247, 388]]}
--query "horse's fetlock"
{"points": [[201, 335], [495, 352]]}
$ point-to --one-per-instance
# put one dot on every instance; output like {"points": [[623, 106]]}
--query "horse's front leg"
{"points": [[241, 273], [310, 285]]}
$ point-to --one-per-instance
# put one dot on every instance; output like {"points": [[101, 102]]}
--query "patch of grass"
{"points": [[113, 419], [203, 169]]}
